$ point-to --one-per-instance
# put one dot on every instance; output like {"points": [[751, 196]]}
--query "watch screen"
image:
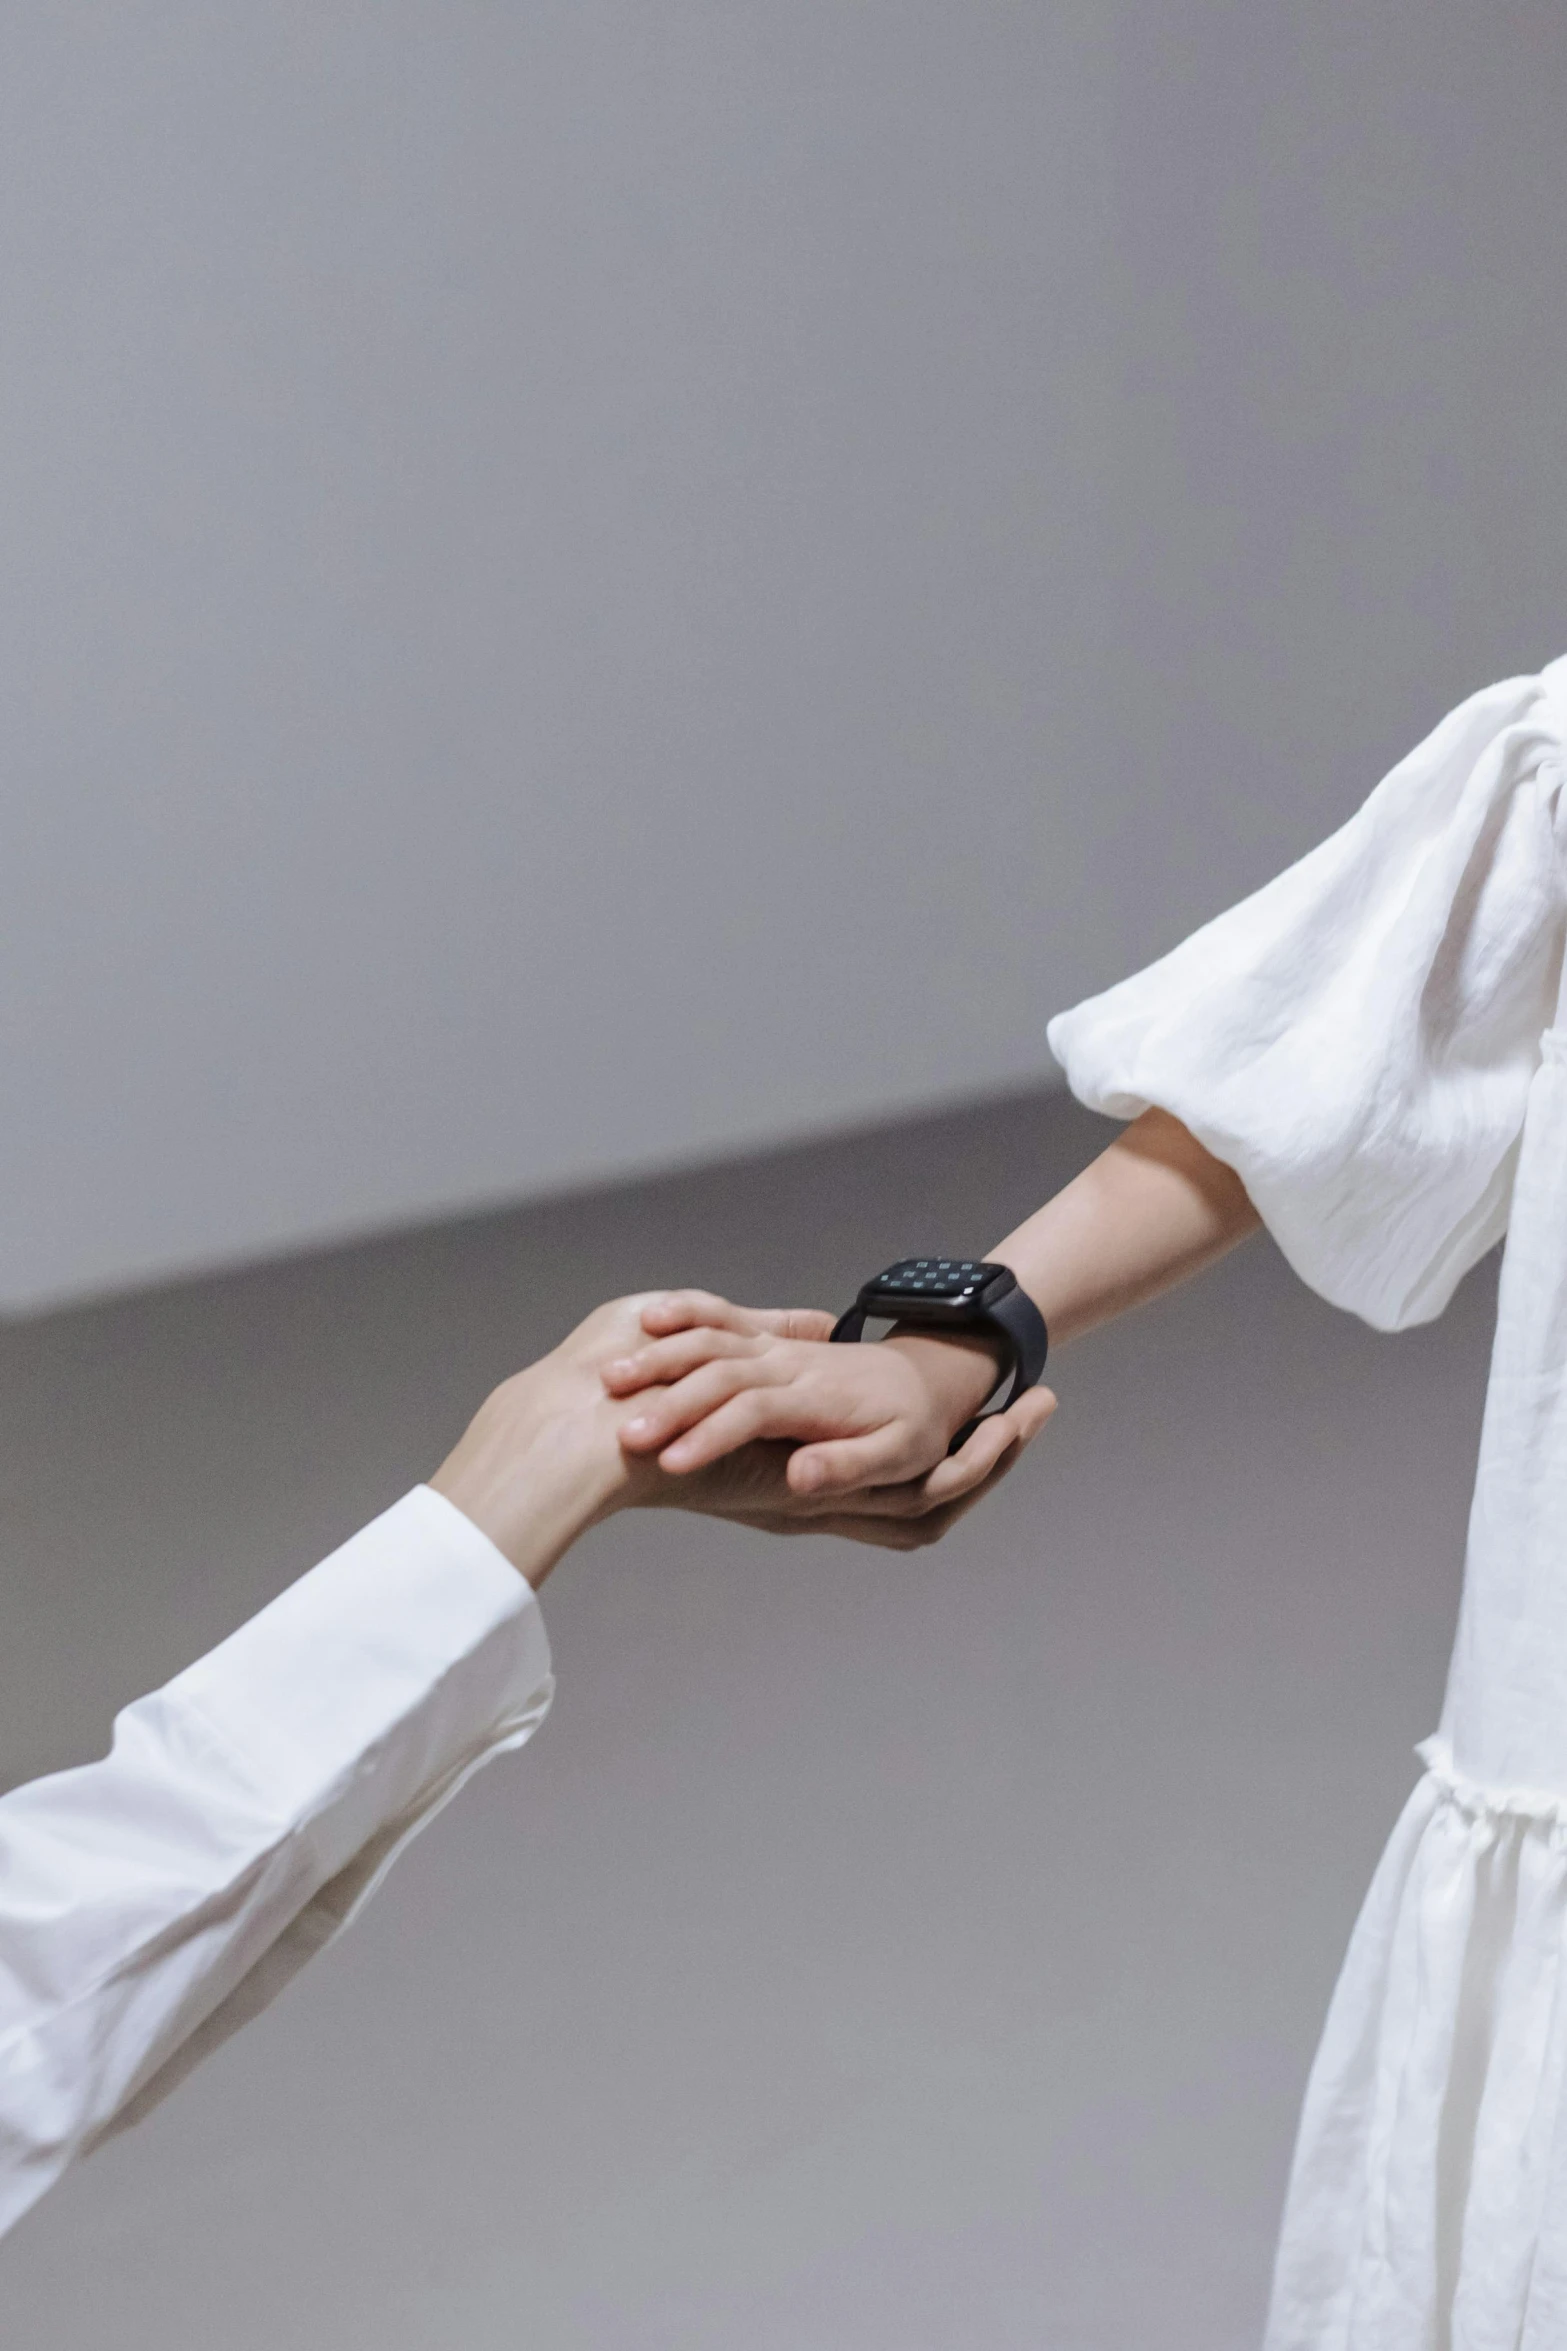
{"points": [[954, 1279]]}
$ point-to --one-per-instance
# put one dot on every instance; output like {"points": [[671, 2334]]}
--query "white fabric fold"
{"points": [[1358, 1037], [1377, 1043], [152, 1901], [1429, 2173]]}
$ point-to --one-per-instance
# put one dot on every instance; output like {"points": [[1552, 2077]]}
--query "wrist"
{"points": [[960, 1370], [534, 1470]]}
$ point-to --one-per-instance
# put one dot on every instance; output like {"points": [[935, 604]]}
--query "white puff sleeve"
{"points": [[1357, 1039]]}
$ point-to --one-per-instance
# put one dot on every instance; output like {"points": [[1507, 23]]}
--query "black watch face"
{"points": [[936, 1281]]}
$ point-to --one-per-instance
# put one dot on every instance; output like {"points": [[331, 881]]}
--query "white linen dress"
{"points": [[154, 1901], [1376, 1043]]}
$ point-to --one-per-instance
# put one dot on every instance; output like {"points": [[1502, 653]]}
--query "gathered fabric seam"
{"points": [[1541, 1807]]}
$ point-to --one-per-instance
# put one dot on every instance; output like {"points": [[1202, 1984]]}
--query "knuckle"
{"points": [[694, 1304]]}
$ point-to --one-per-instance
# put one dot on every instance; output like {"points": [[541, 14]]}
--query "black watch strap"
{"points": [[1010, 1314], [1024, 1325]]}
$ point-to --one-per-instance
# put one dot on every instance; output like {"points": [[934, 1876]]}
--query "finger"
{"points": [[672, 1411], [965, 1472], [754, 1412], [668, 1360], [680, 1310], [999, 1439], [992, 1449], [685, 1310], [843, 1465], [903, 1517], [935, 1517], [797, 1408]]}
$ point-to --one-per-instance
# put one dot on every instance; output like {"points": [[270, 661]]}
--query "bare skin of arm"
{"points": [[542, 1459], [1148, 1213]]}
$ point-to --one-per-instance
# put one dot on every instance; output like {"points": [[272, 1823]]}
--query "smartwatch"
{"points": [[946, 1294]]}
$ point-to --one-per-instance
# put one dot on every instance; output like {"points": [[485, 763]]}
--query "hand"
{"points": [[861, 1417], [751, 1487], [541, 1460]]}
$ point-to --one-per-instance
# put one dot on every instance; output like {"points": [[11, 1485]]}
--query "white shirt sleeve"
{"points": [[1358, 1038], [151, 1902]]}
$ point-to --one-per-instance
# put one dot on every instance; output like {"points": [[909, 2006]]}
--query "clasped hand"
{"points": [[682, 1400], [852, 1440]]}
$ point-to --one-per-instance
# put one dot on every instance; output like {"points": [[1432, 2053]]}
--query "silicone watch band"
{"points": [[1012, 1316]]}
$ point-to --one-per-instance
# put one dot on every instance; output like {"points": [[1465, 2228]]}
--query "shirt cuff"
{"points": [[406, 1656]]}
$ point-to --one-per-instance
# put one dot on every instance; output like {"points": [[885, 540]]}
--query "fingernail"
{"points": [[807, 1478], [640, 1427]]}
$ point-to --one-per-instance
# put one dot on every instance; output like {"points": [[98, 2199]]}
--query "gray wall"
{"points": [[587, 584], [584, 584]]}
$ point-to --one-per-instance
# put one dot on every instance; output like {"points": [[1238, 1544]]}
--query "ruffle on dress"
{"points": [[1429, 2190], [1375, 1042]]}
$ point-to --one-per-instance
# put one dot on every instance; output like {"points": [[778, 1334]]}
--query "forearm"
{"points": [[1149, 1212]]}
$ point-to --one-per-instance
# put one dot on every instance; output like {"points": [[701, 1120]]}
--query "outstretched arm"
{"points": [[1149, 1212], [154, 1900]]}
